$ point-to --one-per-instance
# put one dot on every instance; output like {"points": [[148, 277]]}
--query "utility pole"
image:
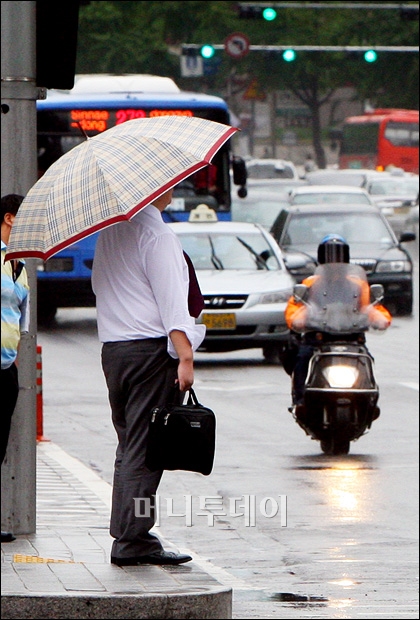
{"points": [[18, 174]]}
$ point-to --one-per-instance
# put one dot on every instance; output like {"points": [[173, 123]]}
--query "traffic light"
{"points": [[257, 11], [56, 42], [269, 14], [207, 51], [370, 56], [289, 55]]}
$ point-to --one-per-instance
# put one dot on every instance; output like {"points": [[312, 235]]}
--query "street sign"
{"points": [[253, 92], [191, 66], [237, 45]]}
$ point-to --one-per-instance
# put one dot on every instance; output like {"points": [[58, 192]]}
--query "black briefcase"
{"points": [[182, 437]]}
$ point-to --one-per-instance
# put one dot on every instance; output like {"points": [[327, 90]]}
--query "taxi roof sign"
{"points": [[203, 213]]}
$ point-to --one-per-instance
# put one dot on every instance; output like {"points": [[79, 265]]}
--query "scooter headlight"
{"points": [[341, 376]]}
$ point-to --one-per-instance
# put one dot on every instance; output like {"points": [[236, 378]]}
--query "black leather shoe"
{"points": [[7, 537], [159, 557]]}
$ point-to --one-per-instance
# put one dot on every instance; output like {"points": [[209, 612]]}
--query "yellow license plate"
{"points": [[225, 320]]}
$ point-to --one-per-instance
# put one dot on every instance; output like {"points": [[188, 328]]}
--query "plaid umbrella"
{"points": [[109, 178]]}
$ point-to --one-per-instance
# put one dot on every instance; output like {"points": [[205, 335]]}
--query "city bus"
{"points": [[96, 103], [380, 139]]}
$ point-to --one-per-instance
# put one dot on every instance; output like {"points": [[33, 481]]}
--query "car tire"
{"points": [[46, 314], [403, 308], [406, 309]]}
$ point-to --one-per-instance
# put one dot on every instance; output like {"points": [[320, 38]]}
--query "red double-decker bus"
{"points": [[384, 137]]}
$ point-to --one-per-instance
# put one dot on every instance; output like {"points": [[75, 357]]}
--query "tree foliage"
{"points": [[140, 37], [146, 37]]}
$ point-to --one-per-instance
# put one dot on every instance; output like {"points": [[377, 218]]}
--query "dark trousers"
{"points": [[300, 371], [9, 396], [140, 375]]}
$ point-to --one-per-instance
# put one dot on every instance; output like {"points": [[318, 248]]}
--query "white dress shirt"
{"points": [[140, 279]]}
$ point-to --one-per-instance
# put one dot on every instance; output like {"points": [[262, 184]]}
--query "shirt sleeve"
{"points": [[167, 272]]}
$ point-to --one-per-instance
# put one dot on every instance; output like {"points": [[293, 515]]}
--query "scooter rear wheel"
{"points": [[335, 447]]}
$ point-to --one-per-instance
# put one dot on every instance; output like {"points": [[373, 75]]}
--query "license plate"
{"points": [[225, 320]]}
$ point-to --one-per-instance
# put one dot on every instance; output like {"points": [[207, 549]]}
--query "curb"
{"points": [[215, 603]]}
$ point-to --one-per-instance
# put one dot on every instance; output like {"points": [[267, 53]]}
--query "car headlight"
{"points": [[276, 297], [340, 376], [393, 266]]}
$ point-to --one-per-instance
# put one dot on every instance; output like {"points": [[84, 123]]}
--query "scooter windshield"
{"points": [[338, 300]]}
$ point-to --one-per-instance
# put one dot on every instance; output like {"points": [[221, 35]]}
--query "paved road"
{"points": [[350, 546]]}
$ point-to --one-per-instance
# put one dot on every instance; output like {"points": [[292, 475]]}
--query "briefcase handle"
{"points": [[192, 398]]}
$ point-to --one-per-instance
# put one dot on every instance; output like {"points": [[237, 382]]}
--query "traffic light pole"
{"points": [[336, 5], [18, 174], [314, 48]]}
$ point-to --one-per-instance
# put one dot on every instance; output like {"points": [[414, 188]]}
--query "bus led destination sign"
{"points": [[101, 120]]}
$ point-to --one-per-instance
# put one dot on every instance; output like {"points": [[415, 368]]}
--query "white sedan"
{"points": [[329, 194], [244, 282]]}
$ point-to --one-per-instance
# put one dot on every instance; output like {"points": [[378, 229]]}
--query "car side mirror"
{"points": [[300, 292], [240, 174], [407, 236], [295, 261], [376, 292]]}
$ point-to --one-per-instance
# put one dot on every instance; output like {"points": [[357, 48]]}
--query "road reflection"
{"points": [[345, 484]]}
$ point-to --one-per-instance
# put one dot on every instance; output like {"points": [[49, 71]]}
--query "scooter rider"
{"points": [[332, 249]]}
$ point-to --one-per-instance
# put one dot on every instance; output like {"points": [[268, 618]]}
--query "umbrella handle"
{"points": [[82, 130]]}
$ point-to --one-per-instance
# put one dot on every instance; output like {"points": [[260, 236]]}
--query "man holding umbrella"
{"points": [[119, 182], [140, 279]]}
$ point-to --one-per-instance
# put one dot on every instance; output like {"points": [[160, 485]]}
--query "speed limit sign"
{"points": [[237, 45]]}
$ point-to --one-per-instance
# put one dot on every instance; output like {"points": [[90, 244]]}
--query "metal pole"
{"points": [[317, 48], [18, 174], [335, 5]]}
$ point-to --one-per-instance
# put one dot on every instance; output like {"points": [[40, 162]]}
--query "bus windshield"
{"points": [[96, 103], [64, 122]]}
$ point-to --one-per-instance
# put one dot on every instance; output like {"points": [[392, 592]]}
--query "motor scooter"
{"points": [[340, 392]]}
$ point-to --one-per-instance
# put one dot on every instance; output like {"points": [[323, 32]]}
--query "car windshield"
{"points": [[335, 177], [229, 251], [329, 198], [260, 211], [407, 187], [360, 228], [270, 171]]}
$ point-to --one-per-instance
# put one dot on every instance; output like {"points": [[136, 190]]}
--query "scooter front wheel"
{"points": [[335, 447]]}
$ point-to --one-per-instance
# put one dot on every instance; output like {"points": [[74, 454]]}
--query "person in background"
{"points": [[14, 322], [309, 164], [141, 281]]}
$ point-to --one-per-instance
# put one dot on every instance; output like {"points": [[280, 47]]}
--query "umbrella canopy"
{"points": [[109, 178]]}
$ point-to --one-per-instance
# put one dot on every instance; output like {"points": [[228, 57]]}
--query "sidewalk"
{"points": [[63, 570]]}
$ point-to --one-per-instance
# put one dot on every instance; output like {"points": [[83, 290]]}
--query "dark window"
{"points": [[359, 139]]}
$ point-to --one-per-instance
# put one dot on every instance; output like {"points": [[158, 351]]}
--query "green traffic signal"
{"points": [[289, 55], [269, 14], [207, 51], [370, 56]]}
